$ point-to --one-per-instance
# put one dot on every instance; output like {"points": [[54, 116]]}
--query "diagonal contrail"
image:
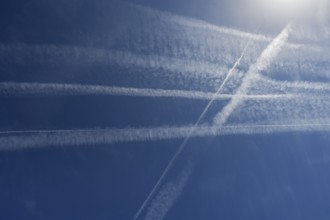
{"points": [[262, 63], [193, 128]]}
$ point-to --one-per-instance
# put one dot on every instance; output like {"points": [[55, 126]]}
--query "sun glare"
{"points": [[283, 9]]}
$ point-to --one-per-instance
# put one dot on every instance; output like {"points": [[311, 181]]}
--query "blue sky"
{"points": [[164, 109]]}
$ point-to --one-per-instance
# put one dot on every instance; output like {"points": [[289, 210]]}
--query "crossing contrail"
{"points": [[185, 141], [262, 63]]}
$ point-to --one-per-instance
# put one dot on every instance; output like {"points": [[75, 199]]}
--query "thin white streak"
{"points": [[185, 141], [262, 63], [220, 88], [18, 140]]}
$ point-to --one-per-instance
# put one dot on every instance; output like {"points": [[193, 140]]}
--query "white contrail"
{"points": [[206, 27], [191, 56], [175, 68], [263, 88], [167, 196], [56, 54], [264, 83], [262, 63], [176, 71], [14, 89], [172, 69], [185, 141], [19, 140], [196, 23], [294, 111], [303, 63]]}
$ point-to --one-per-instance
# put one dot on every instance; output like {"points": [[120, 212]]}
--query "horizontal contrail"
{"points": [[175, 71], [18, 140], [191, 56], [16, 89], [168, 67], [262, 63], [264, 83], [295, 111], [304, 63]]}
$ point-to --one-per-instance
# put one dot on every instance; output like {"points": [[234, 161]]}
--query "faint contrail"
{"points": [[196, 23], [185, 141], [262, 63], [172, 69], [291, 86], [18, 140], [305, 63], [167, 196], [295, 111], [14, 89], [56, 54], [175, 68], [260, 91]]}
